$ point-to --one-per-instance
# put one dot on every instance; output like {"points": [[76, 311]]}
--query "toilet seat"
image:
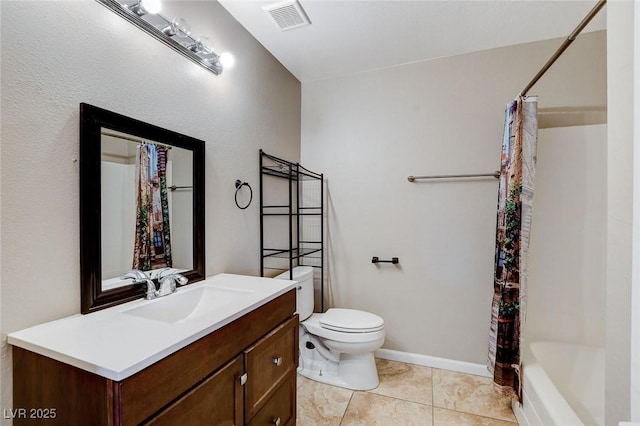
{"points": [[351, 321], [313, 326]]}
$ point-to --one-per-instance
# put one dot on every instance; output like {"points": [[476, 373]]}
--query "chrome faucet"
{"points": [[140, 277], [169, 283]]}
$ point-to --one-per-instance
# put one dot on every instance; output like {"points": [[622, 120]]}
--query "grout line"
{"points": [[433, 391], [346, 408], [426, 404], [479, 415]]}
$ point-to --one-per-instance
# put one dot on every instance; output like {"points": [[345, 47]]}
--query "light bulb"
{"points": [[179, 27], [227, 60], [151, 6], [146, 6], [206, 44], [202, 45]]}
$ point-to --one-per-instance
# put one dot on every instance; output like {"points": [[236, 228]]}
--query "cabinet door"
{"points": [[216, 401], [268, 363]]}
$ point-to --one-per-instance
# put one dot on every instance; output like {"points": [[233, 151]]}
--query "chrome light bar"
{"points": [[174, 33]]}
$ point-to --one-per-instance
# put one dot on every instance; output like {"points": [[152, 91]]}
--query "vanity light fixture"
{"points": [[175, 33]]}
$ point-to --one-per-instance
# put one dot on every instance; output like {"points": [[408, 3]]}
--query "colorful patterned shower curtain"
{"points": [[515, 196], [152, 248]]}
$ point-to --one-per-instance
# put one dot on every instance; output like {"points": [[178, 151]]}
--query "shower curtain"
{"points": [[515, 196], [152, 248]]}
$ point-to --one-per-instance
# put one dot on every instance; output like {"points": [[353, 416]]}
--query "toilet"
{"points": [[336, 347]]}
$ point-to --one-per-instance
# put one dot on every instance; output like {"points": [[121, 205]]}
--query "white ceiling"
{"points": [[351, 36]]}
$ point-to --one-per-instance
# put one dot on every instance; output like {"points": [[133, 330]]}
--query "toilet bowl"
{"points": [[336, 347]]}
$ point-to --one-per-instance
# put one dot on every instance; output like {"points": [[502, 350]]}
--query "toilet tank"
{"points": [[304, 295]]}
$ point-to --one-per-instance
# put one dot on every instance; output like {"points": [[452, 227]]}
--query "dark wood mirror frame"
{"points": [[92, 120]]}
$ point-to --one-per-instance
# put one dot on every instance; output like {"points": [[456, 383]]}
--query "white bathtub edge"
{"points": [[521, 418], [434, 362], [543, 398], [525, 413]]}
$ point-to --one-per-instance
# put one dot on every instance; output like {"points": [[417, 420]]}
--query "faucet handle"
{"points": [[162, 272], [140, 277], [152, 292], [135, 275], [180, 279]]}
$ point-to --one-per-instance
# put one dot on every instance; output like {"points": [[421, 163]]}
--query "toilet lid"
{"points": [[351, 321]]}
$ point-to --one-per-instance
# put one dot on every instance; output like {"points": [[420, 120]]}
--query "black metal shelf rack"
{"points": [[295, 214]]}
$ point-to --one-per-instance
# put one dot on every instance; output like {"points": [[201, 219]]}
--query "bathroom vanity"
{"points": [[223, 351]]}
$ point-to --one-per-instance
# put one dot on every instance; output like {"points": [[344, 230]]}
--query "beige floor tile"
{"points": [[443, 417], [368, 409], [320, 404], [470, 394], [404, 381]]}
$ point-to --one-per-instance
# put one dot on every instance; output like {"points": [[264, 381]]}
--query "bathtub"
{"points": [[563, 384]]}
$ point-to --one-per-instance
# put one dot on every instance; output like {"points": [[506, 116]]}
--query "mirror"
{"points": [[141, 206]]}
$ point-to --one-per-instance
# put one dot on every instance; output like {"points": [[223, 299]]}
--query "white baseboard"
{"points": [[435, 362]]}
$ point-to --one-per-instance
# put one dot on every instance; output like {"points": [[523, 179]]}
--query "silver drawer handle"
{"points": [[276, 422], [277, 361], [243, 379]]}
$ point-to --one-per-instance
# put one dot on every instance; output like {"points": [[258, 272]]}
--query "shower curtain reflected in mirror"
{"points": [[515, 197], [152, 249]]}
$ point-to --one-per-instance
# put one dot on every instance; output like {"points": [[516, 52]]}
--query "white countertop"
{"points": [[116, 345]]}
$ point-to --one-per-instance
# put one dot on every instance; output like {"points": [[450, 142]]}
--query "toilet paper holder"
{"points": [[376, 259]]}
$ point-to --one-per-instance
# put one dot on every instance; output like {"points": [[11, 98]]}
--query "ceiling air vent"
{"points": [[287, 14]]}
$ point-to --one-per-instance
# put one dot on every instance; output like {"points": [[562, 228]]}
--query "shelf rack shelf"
{"points": [[296, 214]]}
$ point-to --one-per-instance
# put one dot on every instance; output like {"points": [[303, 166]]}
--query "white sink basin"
{"points": [[188, 304]]}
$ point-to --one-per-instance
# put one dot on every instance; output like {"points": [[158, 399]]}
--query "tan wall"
{"points": [[58, 54], [367, 132]]}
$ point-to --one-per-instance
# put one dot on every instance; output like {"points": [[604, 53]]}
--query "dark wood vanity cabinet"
{"points": [[243, 373]]}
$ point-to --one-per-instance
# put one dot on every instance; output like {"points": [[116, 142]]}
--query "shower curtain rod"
{"points": [[564, 45]]}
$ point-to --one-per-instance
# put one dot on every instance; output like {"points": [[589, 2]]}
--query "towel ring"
{"points": [[240, 184]]}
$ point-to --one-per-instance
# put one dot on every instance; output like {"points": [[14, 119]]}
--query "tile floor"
{"points": [[407, 395]]}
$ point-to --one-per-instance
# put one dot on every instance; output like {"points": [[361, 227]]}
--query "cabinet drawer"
{"points": [[217, 401], [280, 409], [268, 364]]}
